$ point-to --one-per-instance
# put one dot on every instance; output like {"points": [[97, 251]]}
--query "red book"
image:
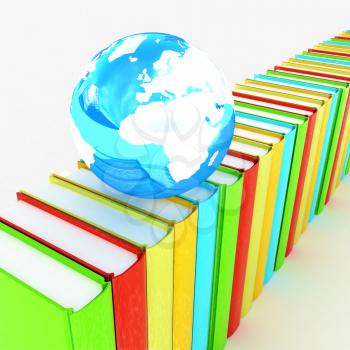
{"points": [[129, 287], [340, 78], [243, 238], [342, 37], [330, 52], [311, 113]]}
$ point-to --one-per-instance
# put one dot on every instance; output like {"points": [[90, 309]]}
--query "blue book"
{"points": [[336, 42], [308, 57], [289, 133], [205, 197], [333, 114]]}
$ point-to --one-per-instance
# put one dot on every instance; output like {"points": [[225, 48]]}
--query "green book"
{"points": [[324, 176], [230, 184], [301, 124], [347, 169], [50, 302]]}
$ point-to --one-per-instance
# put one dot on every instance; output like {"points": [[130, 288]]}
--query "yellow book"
{"points": [[317, 100], [328, 47], [276, 142], [343, 153], [180, 213], [335, 70], [315, 68], [316, 146], [345, 34], [170, 260], [264, 152]]}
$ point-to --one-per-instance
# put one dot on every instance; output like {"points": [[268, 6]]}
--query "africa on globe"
{"points": [[152, 116]]}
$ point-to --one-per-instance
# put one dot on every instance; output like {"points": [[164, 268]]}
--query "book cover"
{"points": [[248, 166], [324, 73], [178, 212], [49, 301], [277, 142], [118, 262], [230, 185], [153, 236], [265, 154], [312, 153], [289, 132], [301, 123]]}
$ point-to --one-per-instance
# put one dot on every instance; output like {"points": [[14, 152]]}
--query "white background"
{"points": [[46, 44]]}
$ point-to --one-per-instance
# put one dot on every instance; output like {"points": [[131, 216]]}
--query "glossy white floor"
{"points": [[306, 305]]}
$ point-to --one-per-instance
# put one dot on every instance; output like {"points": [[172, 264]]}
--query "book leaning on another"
{"points": [[153, 236], [83, 185], [119, 263], [49, 301]]}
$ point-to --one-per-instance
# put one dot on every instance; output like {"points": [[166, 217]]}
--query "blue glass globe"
{"points": [[152, 115]]}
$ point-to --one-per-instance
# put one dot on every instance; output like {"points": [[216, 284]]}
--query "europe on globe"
{"points": [[152, 116]]}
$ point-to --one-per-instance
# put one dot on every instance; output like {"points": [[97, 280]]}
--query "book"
{"points": [[50, 302], [289, 132], [264, 153], [347, 164], [329, 51], [276, 142], [340, 158], [206, 198], [345, 126], [248, 166], [323, 73], [312, 153], [176, 212], [319, 151], [301, 123], [119, 263], [328, 141], [230, 185], [153, 236]]}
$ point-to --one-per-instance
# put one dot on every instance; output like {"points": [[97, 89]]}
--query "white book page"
{"points": [[51, 278], [102, 215], [263, 125], [280, 98], [223, 178], [265, 114], [237, 162], [299, 78], [92, 249], [199, 193], [272, 105], [286, 83], [249, 149], [165, 208], [256, 136], [278, 88]]}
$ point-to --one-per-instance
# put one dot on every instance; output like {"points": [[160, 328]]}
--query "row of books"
{"points": [[84, 267]]}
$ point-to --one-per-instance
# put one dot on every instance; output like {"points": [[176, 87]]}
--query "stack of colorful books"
{"points": [[84, 267]]}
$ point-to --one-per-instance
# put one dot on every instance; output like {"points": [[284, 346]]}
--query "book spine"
{"points": [[268, 216], [130, 307], [243, 239], [206, 238], [280, 203], [160, 284], [225, 264], [184, 274], [291, 192], [301, 180], [340, 153], [93, 326]]}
